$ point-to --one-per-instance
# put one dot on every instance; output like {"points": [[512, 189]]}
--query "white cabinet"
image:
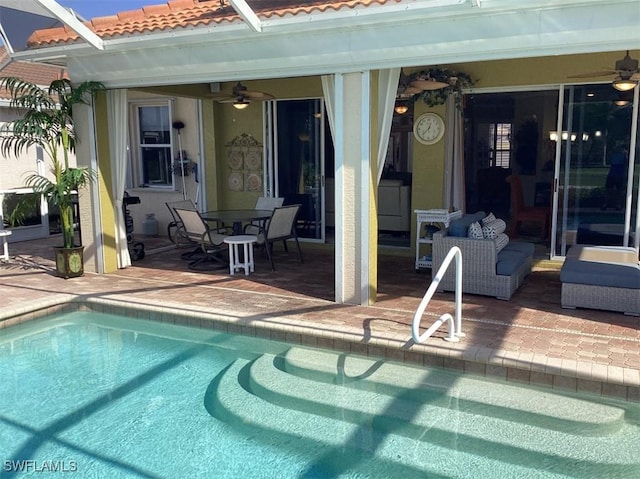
{"points": [[423, 258]]}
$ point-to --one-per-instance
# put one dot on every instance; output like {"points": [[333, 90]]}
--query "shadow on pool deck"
{"points": [[529, 338]]}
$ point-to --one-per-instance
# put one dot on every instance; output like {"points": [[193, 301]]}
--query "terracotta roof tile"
{"points": [[176, 14], [37, 73]]}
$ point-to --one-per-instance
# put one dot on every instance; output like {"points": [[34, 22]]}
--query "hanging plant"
{"points": [[455, 83]]}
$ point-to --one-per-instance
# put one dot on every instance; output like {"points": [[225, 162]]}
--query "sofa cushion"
{"points": [[615, 275], [492, 229], [521, 246], [508, 262], [475, 230], [459, 227]]}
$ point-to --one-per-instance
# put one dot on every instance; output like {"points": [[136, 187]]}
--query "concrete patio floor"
{"points": [[529, 339]]}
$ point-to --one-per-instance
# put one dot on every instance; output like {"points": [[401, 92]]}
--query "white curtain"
{"points": [[329, 91], [454, 194], [387, 91], [117, 114]]}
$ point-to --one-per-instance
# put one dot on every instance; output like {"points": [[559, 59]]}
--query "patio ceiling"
{"points": [[375, 34]]}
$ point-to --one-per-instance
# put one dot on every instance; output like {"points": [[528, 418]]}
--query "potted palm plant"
{"points": [[46, 121]]}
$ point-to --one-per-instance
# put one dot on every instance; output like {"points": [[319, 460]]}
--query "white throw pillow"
{"points": [[475, 230], [488, 219], [502, 240], [493, 229]]}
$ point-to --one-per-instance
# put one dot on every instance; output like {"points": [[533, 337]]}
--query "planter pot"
{"points": [[69, 261]]}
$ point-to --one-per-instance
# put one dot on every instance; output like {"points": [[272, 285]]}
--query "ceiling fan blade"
{"points": [[411, 90], [593, 74], [428, 84], [221, 96], [234, 100], [257, 95]]}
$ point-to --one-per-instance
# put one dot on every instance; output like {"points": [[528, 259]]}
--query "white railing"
{"points": [[455, 327]]}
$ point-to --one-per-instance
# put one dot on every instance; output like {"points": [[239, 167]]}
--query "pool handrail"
{"points": [[455, 327]]}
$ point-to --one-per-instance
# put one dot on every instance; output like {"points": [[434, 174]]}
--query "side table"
{"points": [[5, 245], [430, 216], [234, 257]]}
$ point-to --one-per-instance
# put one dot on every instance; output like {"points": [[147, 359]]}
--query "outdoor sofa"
{"points": [[490, 266]]}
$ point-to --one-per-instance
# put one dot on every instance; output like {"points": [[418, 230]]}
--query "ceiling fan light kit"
{"points": [[240, 104], [624, 85], [401, 108], [626, 74]]}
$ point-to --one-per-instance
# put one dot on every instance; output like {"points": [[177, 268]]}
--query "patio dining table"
{"points": [[237, 217]]}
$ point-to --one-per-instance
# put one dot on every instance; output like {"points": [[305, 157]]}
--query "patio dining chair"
{"points": [[280, 227], [263, 203], [210, 241], [175, 229]]}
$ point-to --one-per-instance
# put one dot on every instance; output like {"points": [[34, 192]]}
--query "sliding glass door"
{"points": [[573, 149], [295, 139], [596, 182]]}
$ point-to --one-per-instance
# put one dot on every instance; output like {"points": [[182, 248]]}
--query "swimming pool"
{"points": [[105, 396]]}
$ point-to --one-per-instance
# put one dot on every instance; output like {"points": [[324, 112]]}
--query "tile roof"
{"points": [[37, 73], [190, 14]]}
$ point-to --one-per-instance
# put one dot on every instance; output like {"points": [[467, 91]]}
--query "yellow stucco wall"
{"points": [[230, 123], [428, 168], [105, 184]]}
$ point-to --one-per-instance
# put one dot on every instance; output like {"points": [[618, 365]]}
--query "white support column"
{"points": [[90, 215], [352, 182], [364, 179]]}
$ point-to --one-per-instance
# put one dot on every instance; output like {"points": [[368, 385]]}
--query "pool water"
{"points": [[103, 396]]}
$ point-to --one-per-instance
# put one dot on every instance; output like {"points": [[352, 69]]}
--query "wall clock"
{"points": [[428, 128]]}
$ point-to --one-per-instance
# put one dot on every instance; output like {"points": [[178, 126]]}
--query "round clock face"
{"points": [[428, 128]]}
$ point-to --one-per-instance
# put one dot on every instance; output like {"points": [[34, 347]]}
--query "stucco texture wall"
{"points": [[230, 123]]}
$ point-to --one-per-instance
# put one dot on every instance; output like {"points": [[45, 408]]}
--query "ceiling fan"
{"points": [[626, 73], [409, 86], [240, 97]]}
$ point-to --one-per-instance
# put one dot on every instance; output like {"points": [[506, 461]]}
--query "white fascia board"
{"points": [[247, 14], [389, 14], [72, 22]]}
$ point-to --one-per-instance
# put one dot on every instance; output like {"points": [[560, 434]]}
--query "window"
{"points": [[154, 145], [500, 138]]}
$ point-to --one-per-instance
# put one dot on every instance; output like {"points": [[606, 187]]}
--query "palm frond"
{"points": [[46, 121]]}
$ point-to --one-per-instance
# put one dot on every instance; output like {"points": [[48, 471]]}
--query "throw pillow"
{"points": [[493, 229], [475, 230], [488, 219], [502, 240]]}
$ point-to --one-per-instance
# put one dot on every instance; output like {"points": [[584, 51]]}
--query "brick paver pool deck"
{"points": [[529, 339]]}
